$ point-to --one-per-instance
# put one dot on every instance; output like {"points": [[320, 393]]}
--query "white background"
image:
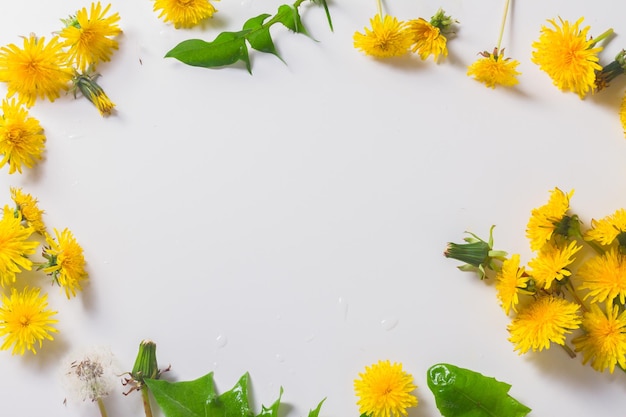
{"points": [[291, 223]]}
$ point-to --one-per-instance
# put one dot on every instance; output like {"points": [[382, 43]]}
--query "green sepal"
{"points": [[226, 49], [461, 392], [259, 35]]}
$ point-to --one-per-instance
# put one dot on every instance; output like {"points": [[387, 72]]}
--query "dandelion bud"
{"points": [[146, 365], [476, 253]]}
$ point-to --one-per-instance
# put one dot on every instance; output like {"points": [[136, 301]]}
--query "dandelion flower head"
{"points": [[384, 390], [510, 281], [14, 246], [184, 13], [89, 36], [66, 262], [606, 230], [26, 206], [604, 276], [545, 220], [493, 69], [25, 320], [568, 56], [388, 37], [428, 39], [89, 374], [38, 70], [21, 137], [548, 319], [604, 341], [552, 263]]}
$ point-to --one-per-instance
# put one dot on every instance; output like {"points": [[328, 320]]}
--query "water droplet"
{"points": [[343, 305], [221, 341], [310, 338], [280, 358], [389, 324]]}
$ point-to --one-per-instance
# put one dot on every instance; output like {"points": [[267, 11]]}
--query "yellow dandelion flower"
{"points": [[606, 230], [26, 206], [89, 36], [551, 263], [14, 246], [604, 341], [493, 69], [604, 276], [66, 263], [91, 90], [428, 39], [545, 220], [384, 390], [39, 70], [25, 320], [388, 37], [568, 56], [510, 282], [21, 137], [184, 13], [546, 320]]}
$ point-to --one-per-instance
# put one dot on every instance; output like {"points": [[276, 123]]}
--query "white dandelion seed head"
{"points": [[88, 374]]}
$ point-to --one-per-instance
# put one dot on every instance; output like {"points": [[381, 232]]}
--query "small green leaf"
{"points": [[290, 18], [182, 399], [226, 49], [272, 411], [233, 403], [463, 393], [316, 411]]}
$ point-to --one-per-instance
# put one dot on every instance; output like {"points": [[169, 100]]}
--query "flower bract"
{"points": [[25, 320], [184, 13], [388, 37], [37, 70], [547, 320], [493, 69], [384, 390], [21, 137], [66, 262], [14, 246], [568, 56], [89, 36], [604, 341]]}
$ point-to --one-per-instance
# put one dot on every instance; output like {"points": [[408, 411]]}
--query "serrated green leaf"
{"points": [[182, 399], [460, 392], [232, 403], [259, 35], [272, 410], [226, 49], [316, 412], [290, 18]]}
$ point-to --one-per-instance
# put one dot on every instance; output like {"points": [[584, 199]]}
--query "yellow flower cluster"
{"points": [[43, 69], [576, 281], [390, 37], [25, 319]]}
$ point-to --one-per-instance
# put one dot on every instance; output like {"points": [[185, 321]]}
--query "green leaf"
{"points": [[182, 399], [463, 393], [233, 403], [272, 411], [316, 411], [226, 49], [259, 35], [290, 18]]}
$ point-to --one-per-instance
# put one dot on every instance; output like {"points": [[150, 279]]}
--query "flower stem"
{"points": [[103, 411], [379, 4], [603, 36], [504, 16], [146, 401], [572, 291], [569, 350]]}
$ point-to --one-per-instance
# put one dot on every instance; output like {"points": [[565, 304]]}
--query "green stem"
{"points": [[603, 36], [569, 350], [379, 4], [570, 288], [103, 411], [146, 401], [504, 16]]}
